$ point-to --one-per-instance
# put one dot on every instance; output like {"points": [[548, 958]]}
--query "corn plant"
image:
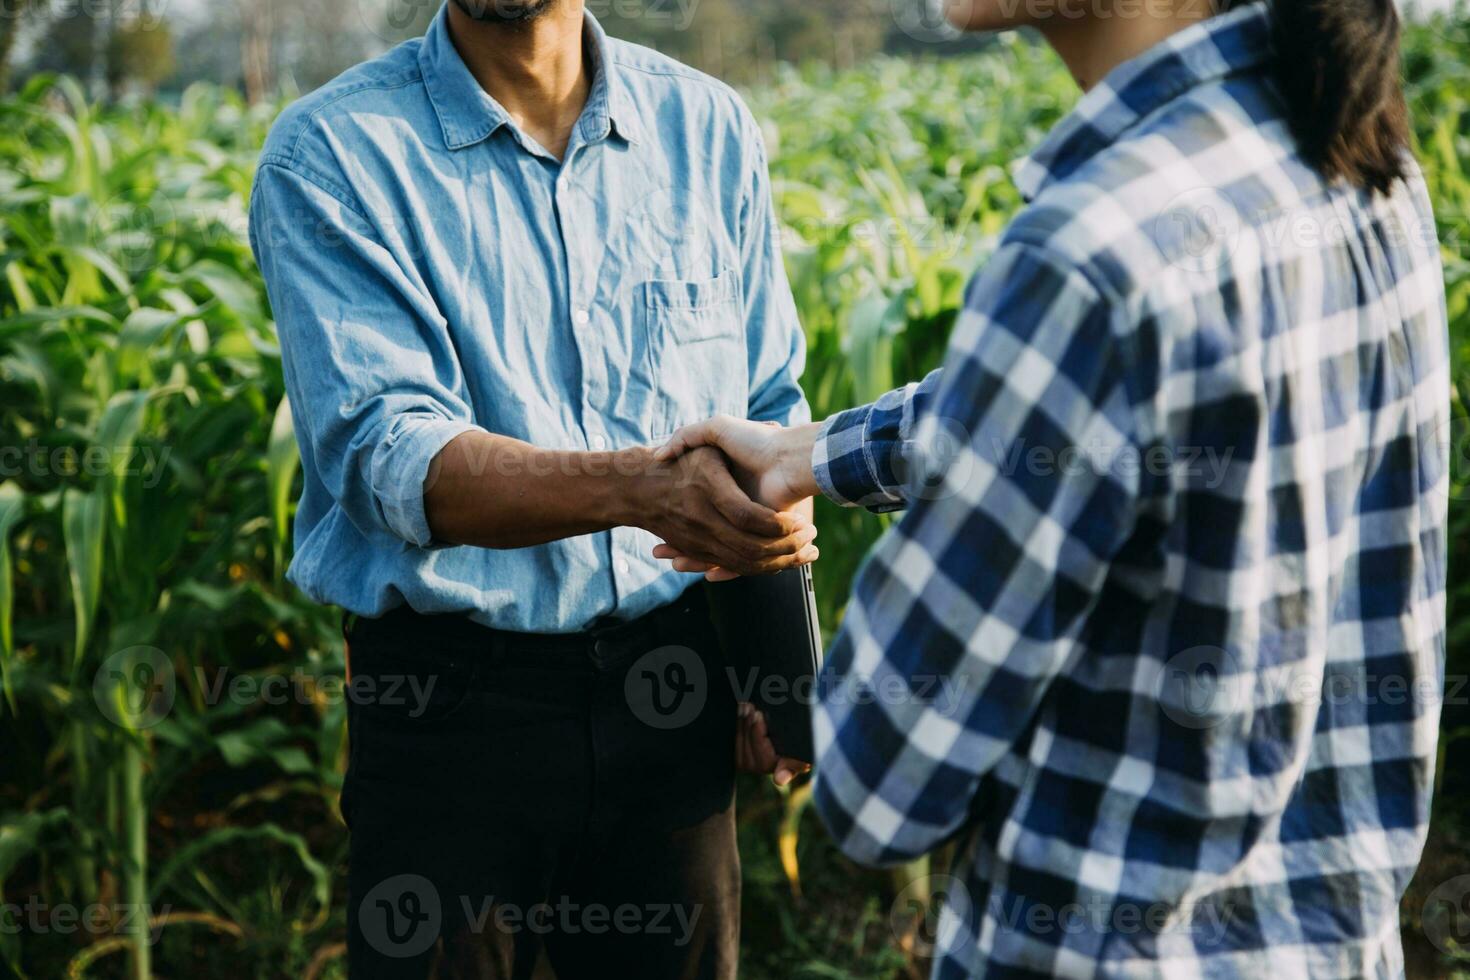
{"points": [[144, 515], [147, 481]]}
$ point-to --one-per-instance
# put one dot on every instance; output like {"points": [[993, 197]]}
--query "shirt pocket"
{"points": [[696, 350]]}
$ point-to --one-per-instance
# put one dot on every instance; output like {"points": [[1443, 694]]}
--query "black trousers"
{"points": [[541, 806]]}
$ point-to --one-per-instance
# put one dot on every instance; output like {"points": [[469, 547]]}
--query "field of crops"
{"points": [[171, 724]]}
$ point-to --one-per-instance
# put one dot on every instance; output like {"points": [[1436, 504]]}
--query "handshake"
{"points": [[739, 507], [761, 474]]}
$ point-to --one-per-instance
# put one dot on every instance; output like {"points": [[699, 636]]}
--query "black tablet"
{"points": [[768, 631]]}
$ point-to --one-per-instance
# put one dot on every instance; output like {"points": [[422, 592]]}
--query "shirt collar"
{"points": [[468, 114], [1224, 45]]}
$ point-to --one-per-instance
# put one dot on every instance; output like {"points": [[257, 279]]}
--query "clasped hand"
{"points": [[707, 519], [770, 464]]}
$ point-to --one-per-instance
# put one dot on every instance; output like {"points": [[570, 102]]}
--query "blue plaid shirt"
{"points": [[1159, 641]]}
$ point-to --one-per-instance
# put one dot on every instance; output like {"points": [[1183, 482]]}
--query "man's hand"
{"points": [[755, 753], [695, 505], [773, 463]]}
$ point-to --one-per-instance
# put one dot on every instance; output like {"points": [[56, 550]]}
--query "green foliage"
{"points": [[139, 380], [148, 489]]}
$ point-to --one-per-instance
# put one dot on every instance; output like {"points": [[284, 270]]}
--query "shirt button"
{"points": [[599, 442], [621, 565], [580, 318]]}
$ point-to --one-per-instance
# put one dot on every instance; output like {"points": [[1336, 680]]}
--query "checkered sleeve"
{"points": [[860, 455], [970, 605]]}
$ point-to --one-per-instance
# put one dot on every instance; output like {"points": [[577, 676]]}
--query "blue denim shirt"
{"points": [[433, 270]]}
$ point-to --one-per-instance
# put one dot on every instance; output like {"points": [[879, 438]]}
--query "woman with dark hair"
{"points": [[1159, 641]]}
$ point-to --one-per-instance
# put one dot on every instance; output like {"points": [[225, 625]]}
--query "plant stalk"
{"points": [[135, 873]]}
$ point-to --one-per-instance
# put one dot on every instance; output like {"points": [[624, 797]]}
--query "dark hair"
{"points": [[1337, 65]]}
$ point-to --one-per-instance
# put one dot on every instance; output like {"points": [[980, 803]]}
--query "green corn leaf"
{"points": [[188, 856], [51, 316], [874, 322], [116, 434], [15, 275], [281, 462], [144, 332], [106, 267], [229, 286], [20, 835], [84, 521], [12, 507], [71, 220]]}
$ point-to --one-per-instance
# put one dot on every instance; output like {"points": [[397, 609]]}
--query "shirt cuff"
{"points": [[401, 471], [851, 457]]}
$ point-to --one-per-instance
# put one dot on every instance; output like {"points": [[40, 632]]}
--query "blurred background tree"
{"points": [[260, 47], [141, 54], [113, 46], [11, 13], [68, 42]]}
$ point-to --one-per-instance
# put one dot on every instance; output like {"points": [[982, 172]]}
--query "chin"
{"points": [[505, 11], [991, 15]]}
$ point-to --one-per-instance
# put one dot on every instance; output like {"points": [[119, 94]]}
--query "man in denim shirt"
{"points": [[503, 259]]}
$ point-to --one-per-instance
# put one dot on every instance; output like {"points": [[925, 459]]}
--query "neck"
{"points": [[1093, 46], [535, 69]]}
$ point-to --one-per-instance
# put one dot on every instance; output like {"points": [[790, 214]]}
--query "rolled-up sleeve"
{"points": [[375, 385]]}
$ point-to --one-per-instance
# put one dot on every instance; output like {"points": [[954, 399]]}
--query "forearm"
{"points": [[493, 491]]}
